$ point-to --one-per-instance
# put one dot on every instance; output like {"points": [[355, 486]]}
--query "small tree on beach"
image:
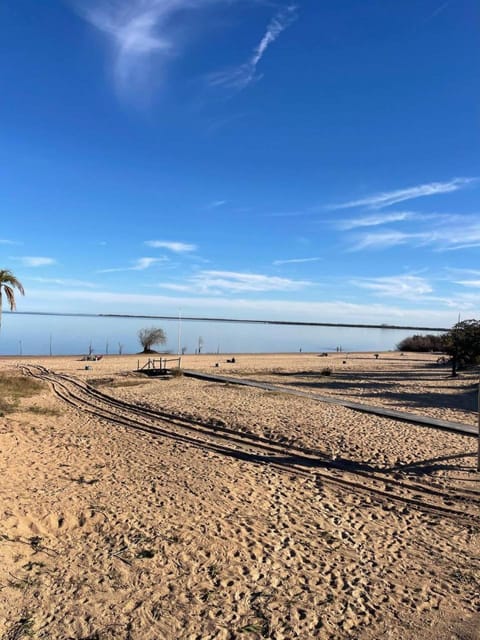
{"points": [[150, 337], [8, 282], [462, 343]]}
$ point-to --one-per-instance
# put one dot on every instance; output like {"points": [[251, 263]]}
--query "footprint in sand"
{"points": [[25, 525]]}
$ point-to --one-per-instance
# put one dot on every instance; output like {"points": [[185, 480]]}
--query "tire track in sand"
{"points": [[213, 437]]}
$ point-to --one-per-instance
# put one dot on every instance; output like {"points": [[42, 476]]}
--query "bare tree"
{"points": [[150, 337]]}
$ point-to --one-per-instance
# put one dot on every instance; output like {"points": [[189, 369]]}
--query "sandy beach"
{"points": [[142, 508]]}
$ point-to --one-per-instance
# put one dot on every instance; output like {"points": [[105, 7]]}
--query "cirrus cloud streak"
{"points": [[217, 282], [176, 247], [240, 77], [386, 199]]}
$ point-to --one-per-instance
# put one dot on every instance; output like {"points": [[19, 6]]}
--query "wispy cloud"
{"points": [[216, 203], [176, 247], [374, 220], [138, 265], [458, 272], [444, 233], [5, 241], [469, 283], [384, 240], [65, 282], [295, 261], [144, 35], [403, 286], [386, 199], [437, 11], [145, 263], [218, 282], [138, 31], [35, 261], [238, 78]]}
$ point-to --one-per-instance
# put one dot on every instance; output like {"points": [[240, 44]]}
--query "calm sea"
{"points": [[63, 335]]}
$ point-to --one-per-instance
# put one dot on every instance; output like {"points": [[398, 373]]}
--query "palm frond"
{"points": [[10, 297], [7, 278]]}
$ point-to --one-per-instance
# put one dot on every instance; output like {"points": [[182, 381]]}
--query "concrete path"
{"points": [[424, 421]]}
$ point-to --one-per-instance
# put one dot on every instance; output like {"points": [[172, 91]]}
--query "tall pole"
{"points": [[50, 345], [179, 331]]}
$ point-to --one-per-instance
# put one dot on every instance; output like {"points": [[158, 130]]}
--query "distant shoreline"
{"points": [[233, 320], [208, 354]]}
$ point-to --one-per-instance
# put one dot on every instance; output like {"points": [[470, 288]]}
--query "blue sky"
{"points": [[315, 160]]}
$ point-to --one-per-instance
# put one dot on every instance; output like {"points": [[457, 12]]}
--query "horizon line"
{"points": [[232, 320]]}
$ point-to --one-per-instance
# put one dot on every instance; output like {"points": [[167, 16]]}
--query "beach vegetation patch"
{"points": [[23, 628], [15, 387], [111, 382], [251, 628], [421, 343], [44, 411], [212, 571]]}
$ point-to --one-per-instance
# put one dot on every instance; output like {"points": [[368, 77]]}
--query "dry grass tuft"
{"points": [[44, 411], [14, 387], [23, 628]]}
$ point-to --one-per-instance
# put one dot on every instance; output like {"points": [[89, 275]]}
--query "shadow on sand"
{"points": [[386, 385]]}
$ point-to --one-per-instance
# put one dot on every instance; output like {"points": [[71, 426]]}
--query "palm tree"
{"points": [[8, 282]]}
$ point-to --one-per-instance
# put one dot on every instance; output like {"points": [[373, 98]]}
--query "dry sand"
{"points": [[220, 511]]}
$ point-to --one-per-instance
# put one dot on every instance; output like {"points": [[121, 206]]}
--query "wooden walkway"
{"points": [[423, 421]]}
